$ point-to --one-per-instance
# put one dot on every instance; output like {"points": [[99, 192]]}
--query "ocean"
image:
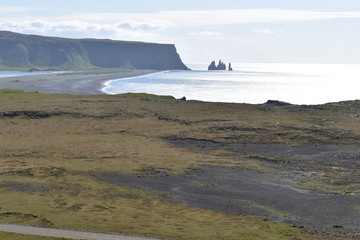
{"points": [[251, 83]]}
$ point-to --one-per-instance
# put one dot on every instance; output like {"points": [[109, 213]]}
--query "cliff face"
{"points": [[31, 51], [110, 54]]}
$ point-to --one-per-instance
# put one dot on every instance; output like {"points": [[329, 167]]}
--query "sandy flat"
{"points": [[80, 83]]}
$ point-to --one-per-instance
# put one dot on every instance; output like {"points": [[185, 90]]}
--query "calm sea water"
{"points": [[251, 83]]}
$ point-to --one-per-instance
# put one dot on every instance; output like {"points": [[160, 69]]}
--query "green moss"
{"points": [[270, 210], [332, 182], [10, 94]]}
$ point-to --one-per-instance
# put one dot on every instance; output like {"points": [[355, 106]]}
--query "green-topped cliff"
{"points": [[19, 51]]}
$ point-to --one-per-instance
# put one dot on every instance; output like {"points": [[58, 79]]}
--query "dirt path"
{"points": [[63, 233]]}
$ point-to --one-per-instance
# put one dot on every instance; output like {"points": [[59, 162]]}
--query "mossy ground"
{"points": [[57, 141]]}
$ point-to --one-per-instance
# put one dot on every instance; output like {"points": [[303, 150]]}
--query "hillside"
{"points": [[154, 166], [19, 51]]}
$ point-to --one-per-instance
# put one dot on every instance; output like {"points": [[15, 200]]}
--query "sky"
{"points": [[275, 31]]}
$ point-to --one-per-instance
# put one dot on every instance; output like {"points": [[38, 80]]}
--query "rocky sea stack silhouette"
{"points": [[221, 66]]}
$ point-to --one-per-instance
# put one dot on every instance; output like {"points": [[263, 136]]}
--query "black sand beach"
{"points": [[79, 83]]}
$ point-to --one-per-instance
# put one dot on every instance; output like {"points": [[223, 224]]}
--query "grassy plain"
{"points": [[56, 143]]}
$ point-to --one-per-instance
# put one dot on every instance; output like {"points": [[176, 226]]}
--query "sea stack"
{"points": [[230, 68], [212, 66], [221, 66]]}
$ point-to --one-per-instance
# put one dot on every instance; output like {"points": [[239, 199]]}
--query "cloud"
{"points": [[204, 34], [268, 31], [76, 27], [143, 25], [15, 9], [148, 25], [217, 17]]}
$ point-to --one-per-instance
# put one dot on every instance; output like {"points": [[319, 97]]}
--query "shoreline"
{"points": [[91, 82], [77, 83], [107, 82]]}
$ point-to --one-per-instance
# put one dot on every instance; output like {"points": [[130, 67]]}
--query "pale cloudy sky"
{"points": [[306, 31]]}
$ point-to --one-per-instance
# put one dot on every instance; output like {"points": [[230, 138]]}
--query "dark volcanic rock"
{"points": [[19, 51], [240, 191], [212, 66], [220, 66], [276, 103], [275, 195], [24, 187], [230, 68]]}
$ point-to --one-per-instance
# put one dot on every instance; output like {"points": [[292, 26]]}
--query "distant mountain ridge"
{"points": [[40, 52]]}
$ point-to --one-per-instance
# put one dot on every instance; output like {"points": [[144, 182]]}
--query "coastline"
{"points": [[77, 83], [107, 83]]}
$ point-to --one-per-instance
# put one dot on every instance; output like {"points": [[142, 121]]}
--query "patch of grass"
{"points": [[270, 210], [19, 95], [146, 217], [332, 182]]}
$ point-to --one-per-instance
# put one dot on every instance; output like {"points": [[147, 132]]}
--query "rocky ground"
{"points": [[276, 194]]}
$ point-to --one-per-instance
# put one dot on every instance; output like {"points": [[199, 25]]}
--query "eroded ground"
{"points": [[277, 193]]}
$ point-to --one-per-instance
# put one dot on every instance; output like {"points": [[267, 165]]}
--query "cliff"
{"points": [[32, 51]]}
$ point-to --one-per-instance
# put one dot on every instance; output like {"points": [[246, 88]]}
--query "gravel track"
{"points": [[65, 233]]}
